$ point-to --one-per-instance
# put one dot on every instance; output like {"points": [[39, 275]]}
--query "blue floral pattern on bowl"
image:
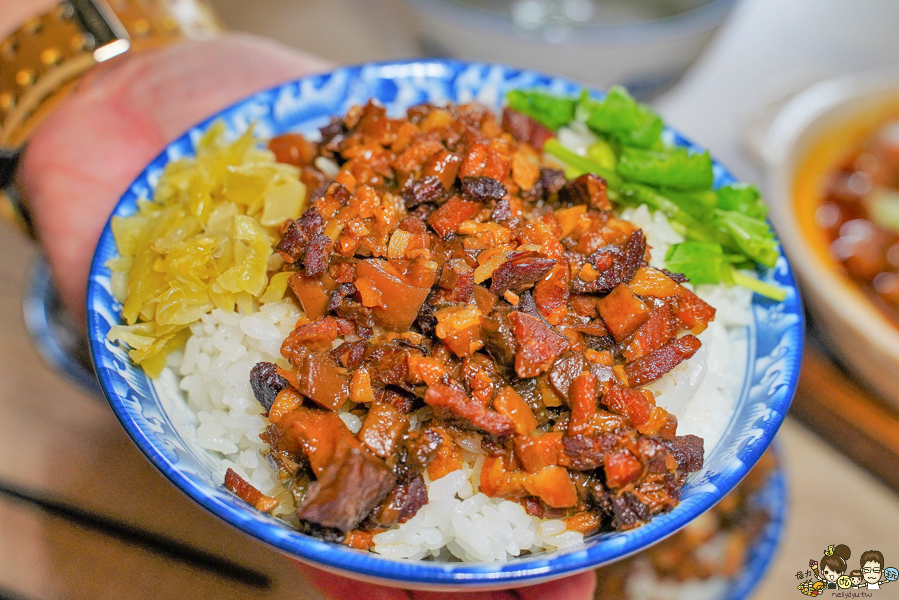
{"points": [[157, 418]]}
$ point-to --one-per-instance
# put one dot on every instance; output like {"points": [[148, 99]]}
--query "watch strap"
{"points": [[41, 62], [9, 161], [11, 208]]}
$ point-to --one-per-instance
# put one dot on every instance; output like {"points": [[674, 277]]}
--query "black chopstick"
{"points": [[137, 536], [7, 594]]}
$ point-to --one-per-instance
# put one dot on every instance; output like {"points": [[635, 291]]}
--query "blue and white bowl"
{"points": [[160, 422]]}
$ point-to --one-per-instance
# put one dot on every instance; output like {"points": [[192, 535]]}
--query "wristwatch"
{"points": [[42, 61]]}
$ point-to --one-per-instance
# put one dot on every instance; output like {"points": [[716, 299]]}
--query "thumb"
{"points": [[577, 587]]}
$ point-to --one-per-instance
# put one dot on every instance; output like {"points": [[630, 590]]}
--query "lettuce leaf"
{"points": [[675, 168], [635, 194], [700, 205], [622, 117], [602, 153], [725, 229], [581, 164], [743, 198], [550, 111], [701, 262], [753, 236], [704, 262]]}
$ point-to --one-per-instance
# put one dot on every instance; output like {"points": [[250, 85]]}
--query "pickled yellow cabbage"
{"points": [[205, 241]]}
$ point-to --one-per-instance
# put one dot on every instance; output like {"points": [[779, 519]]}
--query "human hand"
{"points": [[84, 156], [576, 587]]}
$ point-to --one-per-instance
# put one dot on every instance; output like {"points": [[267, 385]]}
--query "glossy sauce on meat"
{"points": [[447, 268]]}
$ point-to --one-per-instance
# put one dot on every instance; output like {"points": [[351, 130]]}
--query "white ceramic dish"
{"points": [[866, 340]]}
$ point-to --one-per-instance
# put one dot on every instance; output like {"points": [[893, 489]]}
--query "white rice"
{"points": [[214, 368], [458, 522]]}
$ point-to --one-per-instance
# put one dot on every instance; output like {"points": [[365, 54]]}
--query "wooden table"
{"points": [[90, 488]]}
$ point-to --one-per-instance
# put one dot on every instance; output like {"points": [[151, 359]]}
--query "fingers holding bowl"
{"points": [[576, 587]]}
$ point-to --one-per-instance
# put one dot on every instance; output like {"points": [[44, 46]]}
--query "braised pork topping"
{"points": [[455, 285]]}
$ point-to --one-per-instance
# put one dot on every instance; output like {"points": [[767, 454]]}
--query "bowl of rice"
{"points": [[190, 394]]}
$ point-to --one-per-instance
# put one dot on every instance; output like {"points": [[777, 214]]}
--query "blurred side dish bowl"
{"points": [[646, 45], [833, 154]]}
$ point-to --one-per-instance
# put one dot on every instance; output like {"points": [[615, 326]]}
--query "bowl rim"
{"points": [[796, 129], [693, 22], [425, 574]]}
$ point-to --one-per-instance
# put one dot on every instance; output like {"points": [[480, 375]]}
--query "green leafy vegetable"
{"points": [[700, 205], [602, 153], [725, 229], [743, 198], [704, 262], [635, 194], [673, 167], [581, 163], [622, 117], [702, 257], [753, 236], [759, 287], [551, 111], [701, 262]]}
